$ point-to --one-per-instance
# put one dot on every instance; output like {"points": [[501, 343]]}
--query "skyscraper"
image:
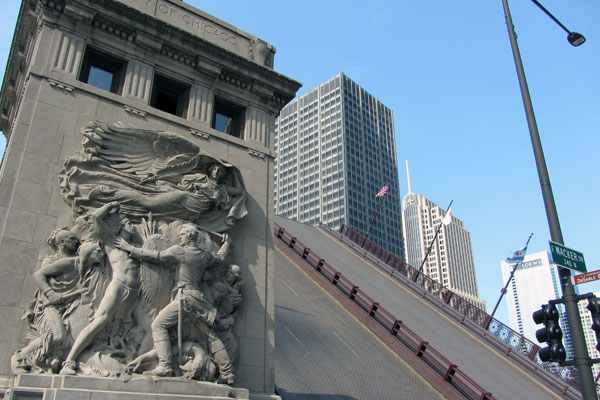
{"points": [[335, 150], [589, 334], [450, 261], [535, 282]]}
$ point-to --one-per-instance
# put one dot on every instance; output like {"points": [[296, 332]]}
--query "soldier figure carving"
{"points": [[191, 261]]}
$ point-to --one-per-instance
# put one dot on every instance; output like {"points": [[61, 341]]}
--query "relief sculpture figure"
{"points": [[58, 296], [192, 262], [157, 172], [151, 277], [227, 308], [121, 295]]}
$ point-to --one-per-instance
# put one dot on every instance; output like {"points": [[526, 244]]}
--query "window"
{"points": [[169, 96], [102, 71], [228, 118]]}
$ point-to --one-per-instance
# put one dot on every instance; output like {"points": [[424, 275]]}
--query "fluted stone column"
{"points": [[138, 81], [69, 53], [201, 104], [257, 126]]}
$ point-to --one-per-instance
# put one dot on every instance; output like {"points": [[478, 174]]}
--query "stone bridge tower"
{"points": [[119, 110]]}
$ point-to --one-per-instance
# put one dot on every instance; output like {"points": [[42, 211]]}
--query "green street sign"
{"points": [[566, 257]]}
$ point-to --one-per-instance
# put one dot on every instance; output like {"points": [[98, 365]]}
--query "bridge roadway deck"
{"points": [[484, 364], [324, 353]]}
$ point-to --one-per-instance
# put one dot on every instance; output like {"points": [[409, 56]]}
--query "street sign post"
{"points": [[567, 258], [584, 278]]}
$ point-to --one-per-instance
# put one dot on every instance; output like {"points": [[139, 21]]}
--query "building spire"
{"points": [[408, 178]]}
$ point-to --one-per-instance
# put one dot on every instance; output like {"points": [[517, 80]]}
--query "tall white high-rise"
{"points": [[535, 282], [450, 261], [589, 334], [335, 150]]}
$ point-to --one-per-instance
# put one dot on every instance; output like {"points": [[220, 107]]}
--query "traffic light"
{"points": [[594, 307], [550, 333]]}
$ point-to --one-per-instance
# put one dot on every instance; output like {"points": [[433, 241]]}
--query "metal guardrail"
{"points": [[513, 341], [434, 359]]}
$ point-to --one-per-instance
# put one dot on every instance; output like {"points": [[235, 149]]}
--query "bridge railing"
{"points": [[399, 268], [433, 358]]}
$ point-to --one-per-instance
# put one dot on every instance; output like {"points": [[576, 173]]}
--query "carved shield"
{"points": [[156, 280]]}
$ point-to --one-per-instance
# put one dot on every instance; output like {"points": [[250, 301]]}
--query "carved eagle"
{"points": [[151, 155]]}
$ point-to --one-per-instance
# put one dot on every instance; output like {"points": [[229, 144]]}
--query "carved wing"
{"points": [[148, 154]]}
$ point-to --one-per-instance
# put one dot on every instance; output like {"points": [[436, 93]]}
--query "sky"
{"points": [[447, 72]]}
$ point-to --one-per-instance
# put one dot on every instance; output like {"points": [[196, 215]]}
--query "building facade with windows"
{"points": [[450, 261], [335, 150], [535, 282], [589, 334]]}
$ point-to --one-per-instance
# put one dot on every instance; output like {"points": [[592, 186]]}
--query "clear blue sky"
{"points": [[446, 70]]}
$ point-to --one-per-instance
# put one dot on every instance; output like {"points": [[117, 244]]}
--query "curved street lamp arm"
{"points": [[537, 3]]}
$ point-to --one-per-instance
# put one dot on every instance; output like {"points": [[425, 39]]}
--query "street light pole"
{"points": [[582, 359]]}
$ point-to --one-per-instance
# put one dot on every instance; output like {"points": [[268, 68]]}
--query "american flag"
{"points": [[383, 191]]}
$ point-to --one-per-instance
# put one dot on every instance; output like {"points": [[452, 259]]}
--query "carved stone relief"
{"points": [[141, 281]]}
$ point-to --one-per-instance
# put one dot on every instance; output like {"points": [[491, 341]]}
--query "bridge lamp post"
{"points": [[582, 359]]}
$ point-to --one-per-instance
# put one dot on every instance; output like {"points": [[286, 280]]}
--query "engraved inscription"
{"points": [[206, 29]]}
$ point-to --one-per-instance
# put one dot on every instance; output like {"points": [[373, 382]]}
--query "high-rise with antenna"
{"points": [[450, 261]]}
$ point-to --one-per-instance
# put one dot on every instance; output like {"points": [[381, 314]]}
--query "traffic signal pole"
{"points": [[582, 359]]}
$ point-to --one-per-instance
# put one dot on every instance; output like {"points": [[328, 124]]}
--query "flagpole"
{"points": [[372, 222], [383, 196], [503, 292], [373, 219], [431, 245]]}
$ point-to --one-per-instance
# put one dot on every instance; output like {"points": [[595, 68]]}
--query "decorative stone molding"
{"points": [[147, 41], [234, 81], [179, 56], [278, 100], [261, 52], [69, 53], [138, 81], [256, 154], [262, 90], [202, 135], [60, 85], [206, 67], [56, 5], [113, 29], [80, 13], [134, 111], [4, 118]]}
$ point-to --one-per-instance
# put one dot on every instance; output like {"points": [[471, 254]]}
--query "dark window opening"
{"points": [[228, 118], [169, 96], [102, 71]]}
